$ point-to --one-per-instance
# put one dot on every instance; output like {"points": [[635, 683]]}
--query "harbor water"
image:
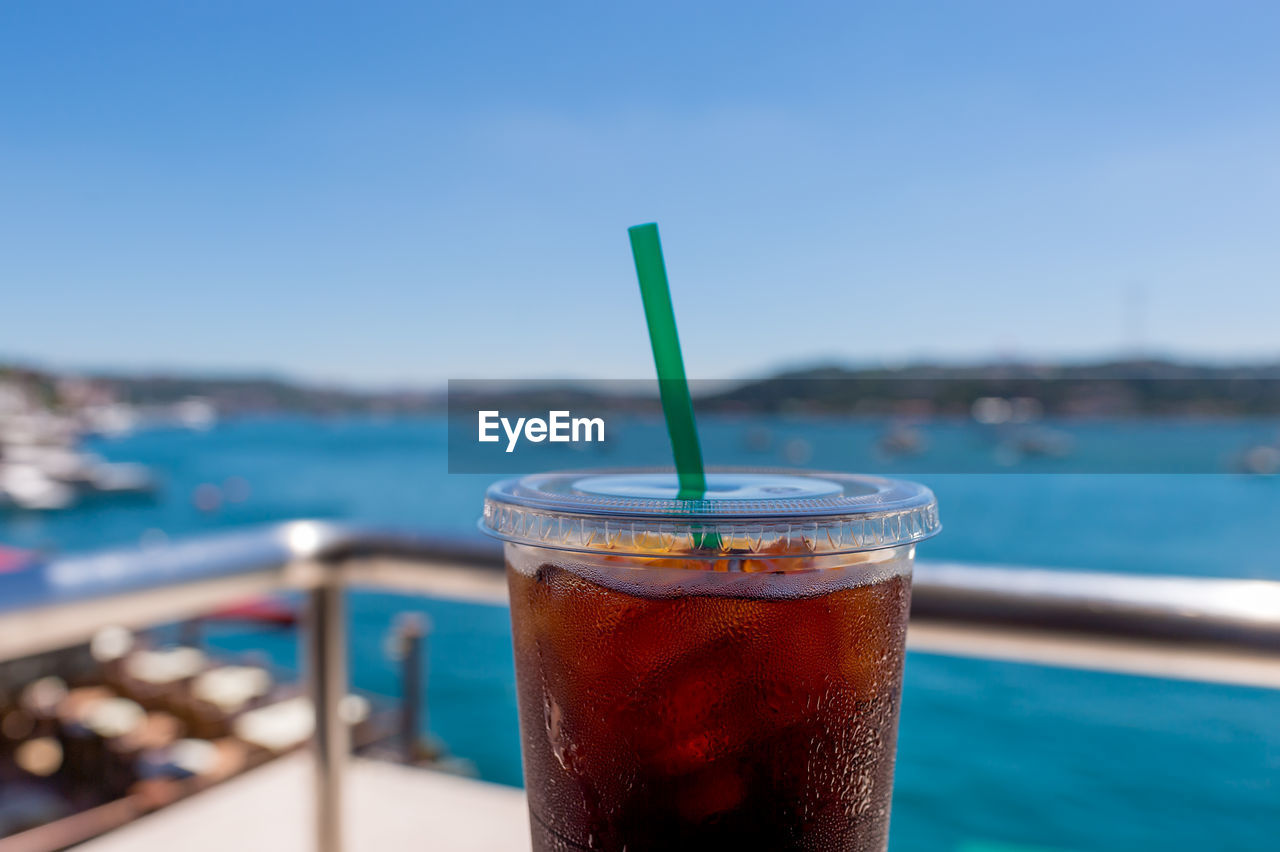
{"points": [[992, 756]]}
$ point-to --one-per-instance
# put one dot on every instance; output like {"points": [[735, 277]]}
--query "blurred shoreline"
{"points": [[1105, 388]]}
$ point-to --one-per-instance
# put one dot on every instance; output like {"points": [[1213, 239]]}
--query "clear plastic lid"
{"points": [[783, 513]]}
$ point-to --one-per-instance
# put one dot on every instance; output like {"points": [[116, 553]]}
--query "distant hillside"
{"points": [[1102, 389], [266, 395], [1116, 388], [228, 394], [1113, 388]]}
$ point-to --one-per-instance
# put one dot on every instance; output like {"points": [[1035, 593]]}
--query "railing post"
{"points": [[411, 629], [327, 658]]}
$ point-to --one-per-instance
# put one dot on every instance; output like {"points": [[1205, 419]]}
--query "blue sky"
{"points": [[403, 193]]}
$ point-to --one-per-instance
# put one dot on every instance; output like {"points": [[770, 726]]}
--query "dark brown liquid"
{"points": [[707, 722]]}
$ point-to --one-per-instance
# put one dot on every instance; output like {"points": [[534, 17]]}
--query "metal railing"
{"points": [[1195, 628]]}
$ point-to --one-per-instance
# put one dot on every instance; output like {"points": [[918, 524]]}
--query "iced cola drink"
{"points": [[715, 679]]}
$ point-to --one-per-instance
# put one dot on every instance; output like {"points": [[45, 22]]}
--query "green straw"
{"points": [[677, 405]]}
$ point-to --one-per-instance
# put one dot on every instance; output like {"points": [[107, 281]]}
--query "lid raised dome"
{"points": [[781, 512]]}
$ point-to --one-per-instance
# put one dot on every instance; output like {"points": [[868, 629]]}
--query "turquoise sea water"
{"points": [[991, 756]]}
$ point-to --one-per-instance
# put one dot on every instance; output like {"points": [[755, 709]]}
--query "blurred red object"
{"points": [[12, 559], [264, 610]]}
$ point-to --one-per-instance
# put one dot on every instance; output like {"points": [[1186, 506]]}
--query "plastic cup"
{"points": [[714, 674]]}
